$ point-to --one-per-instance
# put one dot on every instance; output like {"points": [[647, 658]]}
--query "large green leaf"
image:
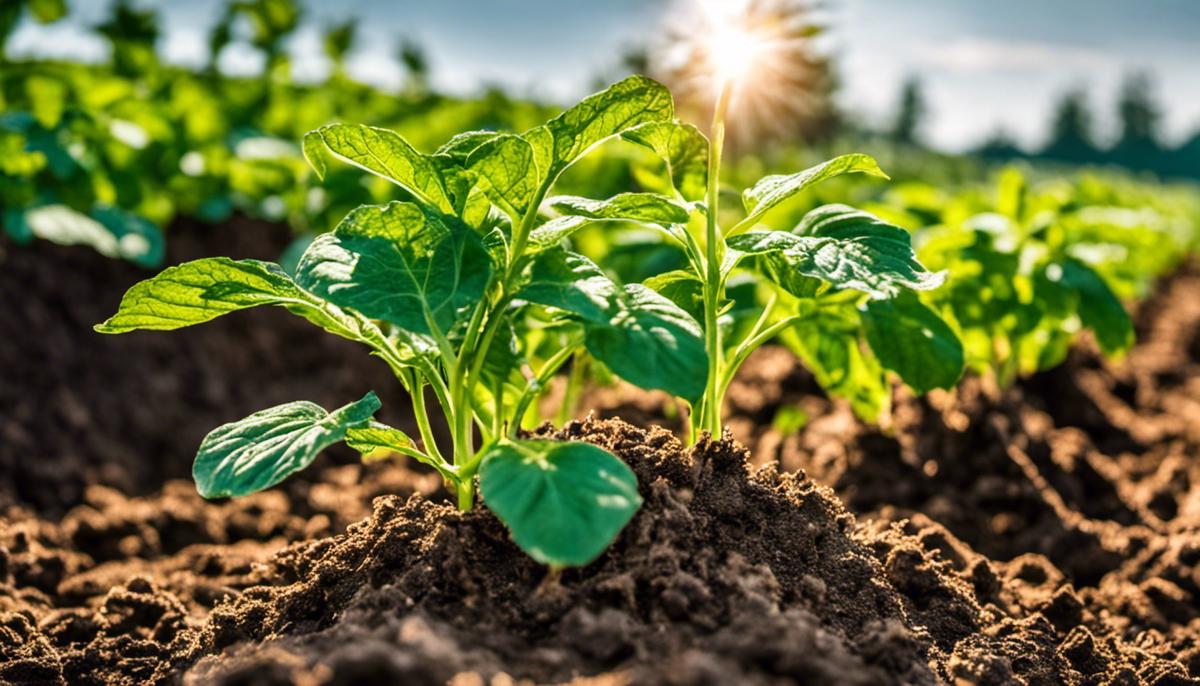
{"points": [[511, 178], [268, 446], [563, 502], [202, 290], [399, 262], [625, 104], [840, 247], [770, 191], [384, 153], [642, 336], [683, 148], [827, 341], [913, 341]]}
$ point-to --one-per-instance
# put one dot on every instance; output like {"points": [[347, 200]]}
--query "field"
{"points": [[622, 425]]}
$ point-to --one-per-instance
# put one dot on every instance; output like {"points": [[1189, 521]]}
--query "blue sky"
{"points": [[986, 65]]}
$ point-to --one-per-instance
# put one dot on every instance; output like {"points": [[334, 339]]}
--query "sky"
{"points": [[986, 66]]}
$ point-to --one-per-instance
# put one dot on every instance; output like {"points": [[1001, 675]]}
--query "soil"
{"points": [[1045, 534]]}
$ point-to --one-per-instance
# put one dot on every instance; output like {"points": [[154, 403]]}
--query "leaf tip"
{"points": [[313, 148]]}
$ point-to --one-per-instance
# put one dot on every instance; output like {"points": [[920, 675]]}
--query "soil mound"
{"points": [[728, 574]]}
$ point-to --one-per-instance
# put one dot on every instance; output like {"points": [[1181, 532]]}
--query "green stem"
{"points": [[575, 382], [752, 343], [417, 392], [535, 386], [714, 256]]}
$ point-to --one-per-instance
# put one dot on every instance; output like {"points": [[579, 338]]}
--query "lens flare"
{"points": [[781, 83]]}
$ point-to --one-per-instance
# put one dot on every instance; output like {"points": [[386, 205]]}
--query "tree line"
{"points": [[1072, 138]]}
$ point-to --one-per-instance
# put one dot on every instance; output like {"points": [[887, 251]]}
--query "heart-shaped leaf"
{"points": [[563, 502]]}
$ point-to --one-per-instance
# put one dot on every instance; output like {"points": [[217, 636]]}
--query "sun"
{"points": [[763, 49], [733, 52]]}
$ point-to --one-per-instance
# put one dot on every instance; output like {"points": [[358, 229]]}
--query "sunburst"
{"points": [[764, 49]]}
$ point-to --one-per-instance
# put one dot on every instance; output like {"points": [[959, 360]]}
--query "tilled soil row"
{"points": [[1046, 534]]}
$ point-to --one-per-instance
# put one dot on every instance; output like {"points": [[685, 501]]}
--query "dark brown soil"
{"points": [[1047, 534], [80, 408]]}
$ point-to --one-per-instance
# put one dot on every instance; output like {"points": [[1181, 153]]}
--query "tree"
{"points": [[1071, 137], [910, 113], [1140, 119]]}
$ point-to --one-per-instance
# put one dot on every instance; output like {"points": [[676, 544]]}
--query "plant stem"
{"points": [[714, 256], [535, 385], [752, 343], [417, 392]]}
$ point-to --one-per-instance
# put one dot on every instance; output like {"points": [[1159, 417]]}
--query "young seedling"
{"points": [[461, 289], [839, 278]]}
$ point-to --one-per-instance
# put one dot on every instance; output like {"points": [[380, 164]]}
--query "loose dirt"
{"points": [[1047, 534]]}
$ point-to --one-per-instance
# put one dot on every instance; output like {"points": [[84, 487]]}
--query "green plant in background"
{"points": [[466, 291], [1024, 276]]}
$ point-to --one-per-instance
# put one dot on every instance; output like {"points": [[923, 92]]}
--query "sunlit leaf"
{"points": [[385, 153], [398, 262], [770, 191], [265, 448], [839, 247], [684, 150], [563, 502], [913, 341]]}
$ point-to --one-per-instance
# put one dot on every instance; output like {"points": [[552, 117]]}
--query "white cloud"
{"points": [[975, 55]]}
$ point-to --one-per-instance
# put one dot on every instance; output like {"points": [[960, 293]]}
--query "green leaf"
{"points": [[401, 263], [827, 341], [647, 208], [770, 191], [511, 178], [201, 290], [1098, 308], [265, 448], [563, 502], [375, 436], [384, 153], [313, 148], [553, 232], [654, 211], [682, 287], [913, 341], [640, 335], [840, 247], [683, 148], [625, 104], [460, 147]]}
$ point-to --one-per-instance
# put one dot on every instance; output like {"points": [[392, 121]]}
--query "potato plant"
{"points": [[838, 288], [439, 287]]}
